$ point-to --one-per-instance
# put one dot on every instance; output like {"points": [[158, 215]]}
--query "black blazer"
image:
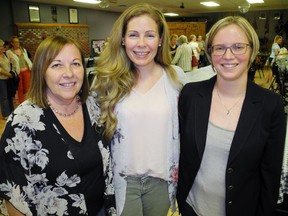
{"points": [[255, 158]]}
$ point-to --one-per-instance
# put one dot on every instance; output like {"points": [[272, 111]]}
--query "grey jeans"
{"points": [[146, 196]]}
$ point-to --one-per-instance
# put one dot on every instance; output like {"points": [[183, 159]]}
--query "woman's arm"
{"points": [[276, 52], [2, 71], [272, 160]]}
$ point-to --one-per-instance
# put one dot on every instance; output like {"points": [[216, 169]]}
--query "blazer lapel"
{"points": [[250, 110], [202, 111]]}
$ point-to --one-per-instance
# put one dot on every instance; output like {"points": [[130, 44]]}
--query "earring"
{"points": [[159, 45], [123, 44]]}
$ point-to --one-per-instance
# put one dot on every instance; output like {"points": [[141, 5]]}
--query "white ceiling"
{"points": [[191, 7]]}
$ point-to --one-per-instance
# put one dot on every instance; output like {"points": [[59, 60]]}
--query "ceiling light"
{"points": [[89, 1], [255, 1], [104, 4], [171, 14], [33, 8], [210, 4], [244, 8]]}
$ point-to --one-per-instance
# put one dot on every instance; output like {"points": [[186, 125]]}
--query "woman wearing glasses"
{"points": [[231, 132]]}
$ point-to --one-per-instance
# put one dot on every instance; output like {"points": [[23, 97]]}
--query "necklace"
{"points": [[64, 114], [228, 109]]}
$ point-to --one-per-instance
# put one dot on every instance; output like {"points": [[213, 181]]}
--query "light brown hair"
{"points": [[45, 54]]}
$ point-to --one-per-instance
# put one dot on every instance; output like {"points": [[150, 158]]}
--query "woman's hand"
{"points": [[6, 73], [12, 210]]}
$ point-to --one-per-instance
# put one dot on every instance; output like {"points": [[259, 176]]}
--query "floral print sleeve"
{"points": [[19, 154], [39, 174], [109, 194]]}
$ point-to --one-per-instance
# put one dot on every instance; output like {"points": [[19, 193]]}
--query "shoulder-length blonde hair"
{"points": [[276, 38], [252, 36], [116, 74], [45, 54]]}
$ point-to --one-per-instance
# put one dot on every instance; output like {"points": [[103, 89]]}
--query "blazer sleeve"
{"points": [[272, 161]]}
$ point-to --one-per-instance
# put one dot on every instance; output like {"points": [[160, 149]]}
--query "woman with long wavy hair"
{"points": [[138, 92]]}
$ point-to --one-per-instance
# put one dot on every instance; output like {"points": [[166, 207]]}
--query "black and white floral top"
{"points": [[44, 171]]}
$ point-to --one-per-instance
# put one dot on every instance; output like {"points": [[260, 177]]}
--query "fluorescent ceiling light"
{"points": [[171, 14], [255, 1], [89, 1], [33, 8], [210, 4]]}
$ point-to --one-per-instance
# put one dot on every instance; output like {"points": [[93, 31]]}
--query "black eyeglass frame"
{"points": [[229, 47]]}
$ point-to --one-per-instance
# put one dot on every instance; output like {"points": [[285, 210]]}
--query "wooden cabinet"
{"points": [[187, 28]]}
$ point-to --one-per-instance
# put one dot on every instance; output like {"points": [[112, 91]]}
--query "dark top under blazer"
{"points": [[255, 158]]}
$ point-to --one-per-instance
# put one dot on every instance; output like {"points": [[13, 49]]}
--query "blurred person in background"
{"points": [[173, 44], [19, 57], [273, 68], [202, 57], [183, 56], [6, 100], [195, 50]]}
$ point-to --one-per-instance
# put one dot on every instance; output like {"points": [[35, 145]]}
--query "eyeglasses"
{"points": [[236, 49]]}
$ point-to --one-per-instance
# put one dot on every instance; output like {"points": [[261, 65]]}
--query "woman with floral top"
{"points": [[53, 159], [138, 90]]}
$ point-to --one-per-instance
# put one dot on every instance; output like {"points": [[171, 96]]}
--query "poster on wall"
{"points": [[73, 15], [97, 46], [34, 13]]}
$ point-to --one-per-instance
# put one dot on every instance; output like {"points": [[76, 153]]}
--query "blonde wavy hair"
{"points": [[116, 74]]}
